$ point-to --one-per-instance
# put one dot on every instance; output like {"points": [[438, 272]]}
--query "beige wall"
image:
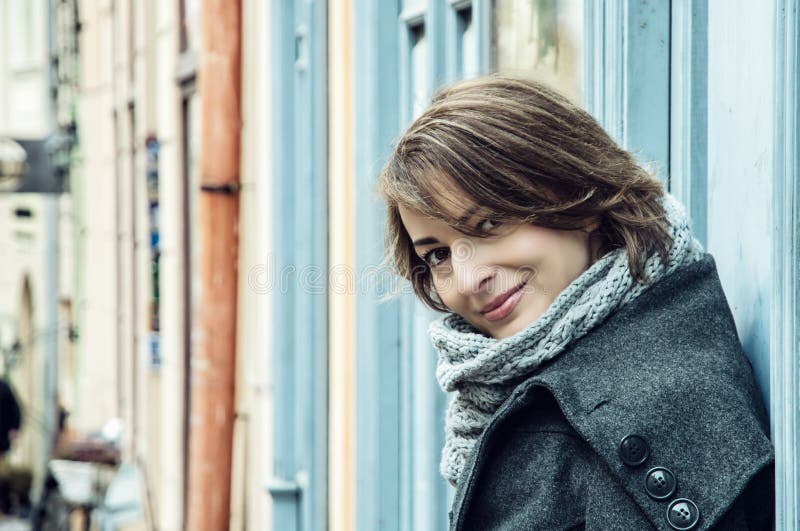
{"points": [[104, 276], [251, 504], [28, 244], [164, 110], [97, 303], [116, 261], [128, 93], [67, 354]]}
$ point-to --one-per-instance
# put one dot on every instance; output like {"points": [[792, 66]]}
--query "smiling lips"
{"points": [[503, 305]]}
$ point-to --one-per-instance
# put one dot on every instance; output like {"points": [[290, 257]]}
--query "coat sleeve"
{"points": [[754, 509]]}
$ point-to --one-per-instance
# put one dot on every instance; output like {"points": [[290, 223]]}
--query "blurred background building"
{"points": [[199, 257]]}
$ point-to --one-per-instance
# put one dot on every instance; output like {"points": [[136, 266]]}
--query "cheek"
{"points": [[542, 246], [523, 254], [445, 289]]}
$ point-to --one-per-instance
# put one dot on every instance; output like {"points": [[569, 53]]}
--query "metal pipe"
{"points": [[214, 343]]}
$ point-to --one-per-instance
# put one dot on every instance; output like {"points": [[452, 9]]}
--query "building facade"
{"points": [[35, 311], [338, 420]]}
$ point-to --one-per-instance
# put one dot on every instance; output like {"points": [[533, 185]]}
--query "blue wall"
{"points": [[705, 91]]}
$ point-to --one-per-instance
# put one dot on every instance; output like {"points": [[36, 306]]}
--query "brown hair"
{"points": [[519, 151]]}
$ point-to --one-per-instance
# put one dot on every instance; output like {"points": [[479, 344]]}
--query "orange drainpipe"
{"points": [[214, 344]]}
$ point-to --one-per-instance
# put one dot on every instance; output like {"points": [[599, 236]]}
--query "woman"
{"points": [[598, 380]]}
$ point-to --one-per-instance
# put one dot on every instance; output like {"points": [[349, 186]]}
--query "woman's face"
{"points": [[505, 280]]}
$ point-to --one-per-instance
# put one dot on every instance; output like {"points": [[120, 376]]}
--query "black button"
{"points": [[682, 514], [634, 450], [660, 483]]}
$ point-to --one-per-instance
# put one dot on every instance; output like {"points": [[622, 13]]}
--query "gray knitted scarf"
{"points": [[483, 371]]}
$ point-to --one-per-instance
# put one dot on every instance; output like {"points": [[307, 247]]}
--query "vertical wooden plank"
{"points": [[414, 45], [785, 308], [299, 484], [316, 377], [741, 119], [435, 22], [464, 40], [626, 69], [376, 95], [593, 57], [646, 47], [688, 179], [453, 50], [483, 18], [282, 485], [418, 70], [342, 207], [311, 250], [256, 321], [432, 40]]}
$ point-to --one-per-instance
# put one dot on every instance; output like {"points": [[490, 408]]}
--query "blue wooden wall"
{"points": [[784, 307], [705, 90], [378, 333], [300, 354], [741, 118]]}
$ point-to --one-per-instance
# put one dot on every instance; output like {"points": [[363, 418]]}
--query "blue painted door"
{"points": [[724, 139], [300, 348], [407, 50], [663, 79]]}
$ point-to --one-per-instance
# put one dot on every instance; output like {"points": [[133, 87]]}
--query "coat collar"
{"points": [[668, 367]]}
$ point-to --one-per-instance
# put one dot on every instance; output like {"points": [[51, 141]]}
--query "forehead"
{"points": [[437, 194], [416, 223], [420, 225]]}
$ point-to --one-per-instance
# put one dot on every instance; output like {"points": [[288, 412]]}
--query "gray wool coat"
{"points": [[651, 421]]}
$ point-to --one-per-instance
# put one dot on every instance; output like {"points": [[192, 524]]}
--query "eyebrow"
{"points": [[461, 221], [425, 241]]}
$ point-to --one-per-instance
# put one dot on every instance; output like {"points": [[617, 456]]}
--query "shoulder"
{"points": [[667, 372], [538, 471], [672, 352]]}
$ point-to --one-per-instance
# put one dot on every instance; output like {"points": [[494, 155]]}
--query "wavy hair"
{"points": [[516, 150]]}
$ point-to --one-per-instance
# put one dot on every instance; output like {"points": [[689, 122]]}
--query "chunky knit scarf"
{"points": [[483, 371]]}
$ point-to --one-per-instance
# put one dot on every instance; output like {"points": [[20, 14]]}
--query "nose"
{"points": [[470, 271]]}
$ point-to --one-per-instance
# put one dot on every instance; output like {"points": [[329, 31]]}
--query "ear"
{"points": [[592, 225]]}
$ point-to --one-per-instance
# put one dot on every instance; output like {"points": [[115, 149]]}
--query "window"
{"points": [[419, 69], [466, 47], [190, 25], [543, 40]]}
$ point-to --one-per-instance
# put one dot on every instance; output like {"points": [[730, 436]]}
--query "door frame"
{"points": [[785, 326], [299, 375]]}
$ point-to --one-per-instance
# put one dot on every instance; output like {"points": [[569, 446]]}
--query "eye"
{"points": [[488, 224], [435, 257]]}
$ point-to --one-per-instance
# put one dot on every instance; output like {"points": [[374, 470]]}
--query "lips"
{"points": [[503, 304]]}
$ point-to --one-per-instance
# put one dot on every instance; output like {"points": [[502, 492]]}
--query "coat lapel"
{"points": [[668, 368]]}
